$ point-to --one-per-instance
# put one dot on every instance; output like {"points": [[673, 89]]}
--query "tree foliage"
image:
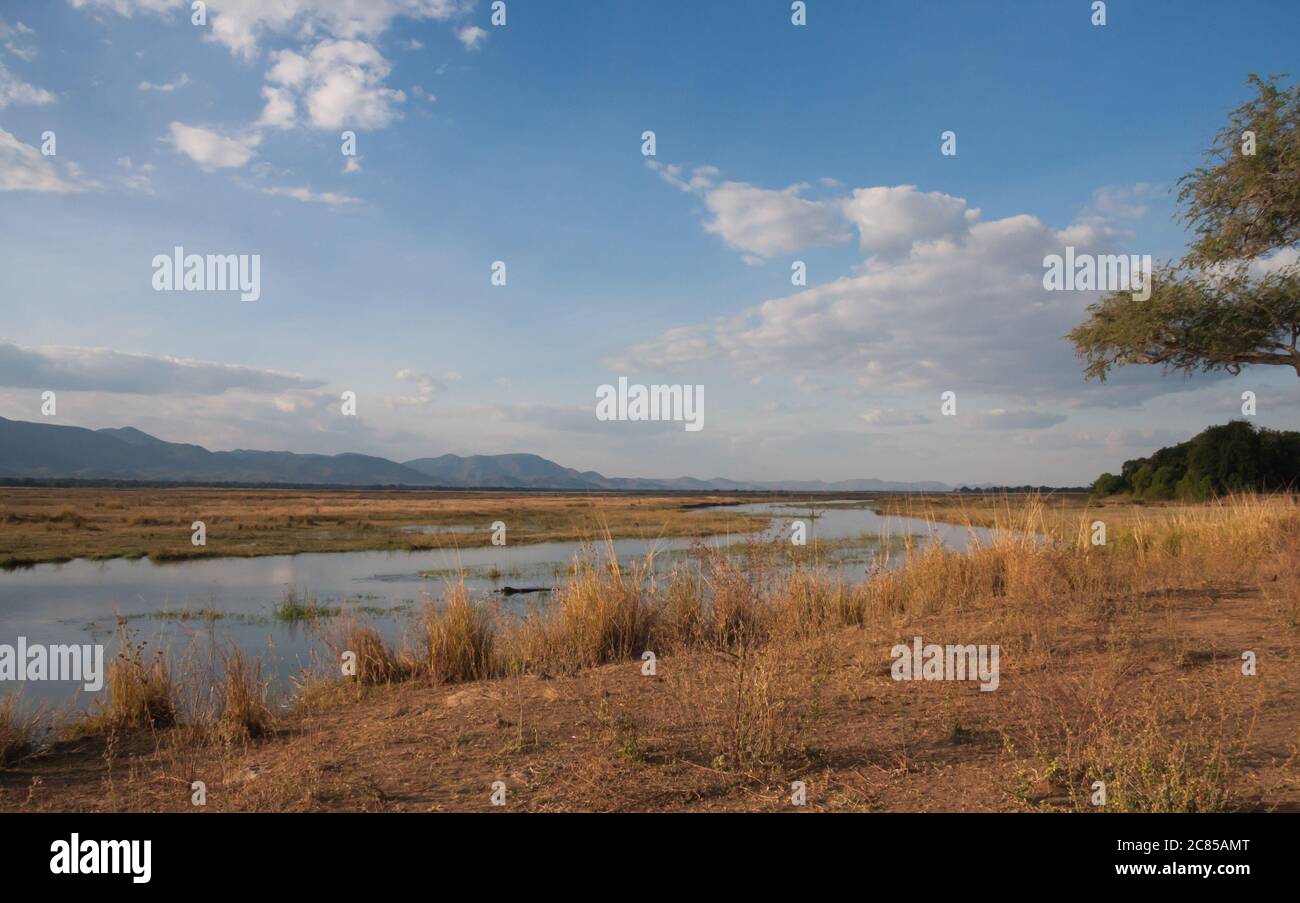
{"points": [[1244, 205], [1214, 310]]}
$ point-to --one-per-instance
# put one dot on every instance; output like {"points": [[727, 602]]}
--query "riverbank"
{"points": [[1120, 663], [54, 525]]}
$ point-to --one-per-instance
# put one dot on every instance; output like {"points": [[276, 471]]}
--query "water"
{"points": [[79, 601]]}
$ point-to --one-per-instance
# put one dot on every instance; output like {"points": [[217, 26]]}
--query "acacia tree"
{"points": [[1234, 299]]}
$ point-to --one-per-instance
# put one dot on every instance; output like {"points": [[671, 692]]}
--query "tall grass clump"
{"points": [[809, 603], [604, 613], [375, 661], [738, 614], [17, 730], [460, 639], [683, 616], [139, 692], [245, 712]]}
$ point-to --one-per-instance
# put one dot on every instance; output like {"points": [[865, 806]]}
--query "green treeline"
{"points": [[1222, 459]]}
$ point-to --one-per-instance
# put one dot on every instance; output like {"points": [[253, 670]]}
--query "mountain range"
{"points": [[42, 451]]}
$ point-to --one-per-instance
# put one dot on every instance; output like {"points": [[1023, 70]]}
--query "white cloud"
{"points": [[308, 196], [336, 77], [945, 301], [340, 84], [280, 112], [166, 87], [472, 36], [211, 150], [74, 368], [700, 179], [239, 25], [13, 91], [426, 387], [765, 222], [1274, 262], [891, 220], [759, 221], [24, 168], [12, 34]]}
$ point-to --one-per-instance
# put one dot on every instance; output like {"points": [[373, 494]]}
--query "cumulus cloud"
{"points": [[240, 25], [339, 84], [74, 368], [891, 220], [472, 36], [759, 221], [24, 168], [281, 110], [944, 300], [212, 150], [765, 222], [334, 79]]}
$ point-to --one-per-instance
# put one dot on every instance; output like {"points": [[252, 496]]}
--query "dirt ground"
{"points": [[717, 731]]}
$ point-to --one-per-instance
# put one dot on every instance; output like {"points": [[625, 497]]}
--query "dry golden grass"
{"points": [[41, 525], [140, 692], [1105, 665], [1167, 746], [17, 729], [606, 612], [245, 712], [374, 662], [459, 639]]}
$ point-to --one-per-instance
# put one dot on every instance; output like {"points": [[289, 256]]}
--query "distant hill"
{"points": [[42, 451], [46, 451], [1218, 460], [519, 471]]}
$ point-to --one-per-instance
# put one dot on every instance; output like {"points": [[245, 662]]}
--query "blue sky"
{"points": [[522, 143]]}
